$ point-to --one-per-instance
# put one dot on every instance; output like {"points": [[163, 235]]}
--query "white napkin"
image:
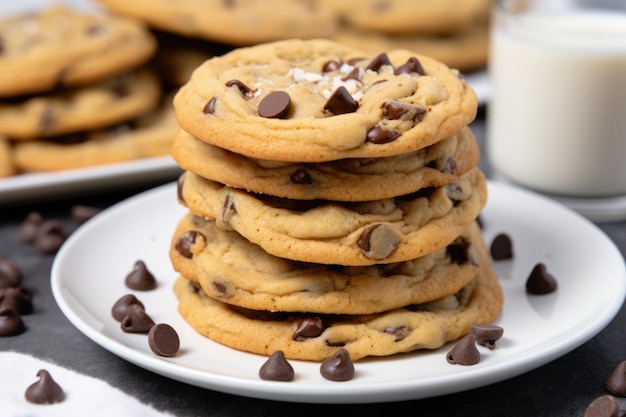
{"points": [[84, 395]]}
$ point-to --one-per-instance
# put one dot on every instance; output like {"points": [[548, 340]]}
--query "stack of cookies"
{"points": [[332, 200], [77, 90]]}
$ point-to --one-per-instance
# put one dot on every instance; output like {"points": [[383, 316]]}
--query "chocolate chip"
{"points": [[229, 210], [163, 340], [80, 213], [10, 274], [276, 368], [11, 323], [355, 74], [378, 242], [464, 352], [501, 247], [458, 252], [400, 332], [487, 334], [136, 320], [616, 383], [331, 65], [539, 281], [95, 30], [338, 367], [180, 183], [244, 89], [308, 327], [341, 102], [28, 228], [379, 136], [379, 61], [119, 309], [185, 241], [412, 65], [449, 167], [209, 107], [44, 391], [275, 105], [301, 176], [395, 110], [219, 288], [604, 406], [18, 299], [49, 237], [140, 278]]}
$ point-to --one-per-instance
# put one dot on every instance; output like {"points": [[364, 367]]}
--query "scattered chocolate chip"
{"points": [[412, 65], [604, 406], [163, 340], [501, 247], [464, 352], [10, 274], [28, 228], [396, 109], [487, 334], [540, 281], [49, 237], [11, 323], [400, 332], [140, 278], [301, 176], [308, 327], [276, 368], [331, 66], [136, 320], [185, 241], [377, 135], [18, 299], [616, 383], [119, 309], [80, 213], [378, 242], [338, 367], [244, 89], [180, 183], [44, 391], [275, 105], [341, 102], [209, 107], [379, 61]]}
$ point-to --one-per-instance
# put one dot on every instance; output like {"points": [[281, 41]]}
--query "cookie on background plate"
{"points": [[318, 100], [61, 46], [344, 233]]}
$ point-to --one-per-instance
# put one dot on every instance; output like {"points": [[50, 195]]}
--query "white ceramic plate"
{"points": [[89, 270]]}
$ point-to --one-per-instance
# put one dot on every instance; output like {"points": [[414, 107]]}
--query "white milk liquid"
{"points": [[557, 115]]}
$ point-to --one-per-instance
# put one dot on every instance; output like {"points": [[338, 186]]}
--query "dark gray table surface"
{"points": [[563, 387]]}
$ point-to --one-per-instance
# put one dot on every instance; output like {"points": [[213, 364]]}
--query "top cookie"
{"points": [[61, 46], [318, 100]]}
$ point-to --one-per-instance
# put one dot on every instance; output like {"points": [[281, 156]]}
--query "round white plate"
{"points": [[89, 270]]}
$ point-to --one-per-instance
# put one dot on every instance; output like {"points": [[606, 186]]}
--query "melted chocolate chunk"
{"points": [[244, 89], [10, 274], [464, 352], [209, 107], [28, 228], [11, 323], [616, 383], [44, 391], [539, 281], [379, 61], [49, 237], [18, 299], [80, 213], [180, 183], [186, 241], [395, 110], [163, 340], [458, 252], [301, 176], [338, 367], [140, 278], [341, 102], [275, 105], [332, 65], [308, 327], [501, 247], [604, 406], [136, 320], [276, 368], [378, 241], [412, 65], [379, 136], [487, 334], [400, 332], [120, 308]]}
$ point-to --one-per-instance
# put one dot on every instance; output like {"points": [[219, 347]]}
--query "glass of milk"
{"points": [[556, 119]]}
